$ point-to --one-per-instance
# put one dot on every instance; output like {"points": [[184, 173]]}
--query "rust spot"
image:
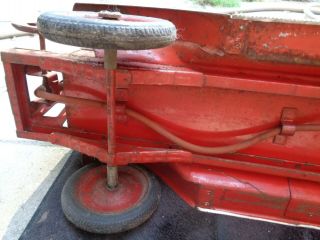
{"points": [[236, 37], [282, 58]]}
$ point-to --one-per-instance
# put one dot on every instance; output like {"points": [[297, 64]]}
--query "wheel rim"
{"points": [[92, 192]]}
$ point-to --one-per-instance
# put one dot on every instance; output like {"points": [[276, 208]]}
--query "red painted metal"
{"points": [[277, 199], [26, 27], [111, 108], [288, 127], [223, 81], [30, 28], [92, 192]]}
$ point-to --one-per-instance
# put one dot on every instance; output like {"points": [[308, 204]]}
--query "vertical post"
{"points": [[42, 42], [110, 64], [44, 78]]}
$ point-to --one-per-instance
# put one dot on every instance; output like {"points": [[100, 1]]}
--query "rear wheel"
{"points": [[90, 205]]}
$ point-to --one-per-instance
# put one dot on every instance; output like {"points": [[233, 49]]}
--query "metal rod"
{"points": [[259, 136], [110, 64], [112, 177], [42, 42], [45, 82]]}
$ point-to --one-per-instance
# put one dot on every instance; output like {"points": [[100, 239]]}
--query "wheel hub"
{"points": [[94, 194]]}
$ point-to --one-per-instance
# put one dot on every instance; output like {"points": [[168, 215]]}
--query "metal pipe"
{"points": [[110, 63], [259, 137], [40, 92], [42, 42], [201, 149], [14, 35], [112, 177]]}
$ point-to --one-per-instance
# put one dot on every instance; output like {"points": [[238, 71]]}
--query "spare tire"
{"points": [[86, 29]]}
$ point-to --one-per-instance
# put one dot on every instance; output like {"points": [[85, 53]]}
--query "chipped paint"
{"points": [[284, 34]]}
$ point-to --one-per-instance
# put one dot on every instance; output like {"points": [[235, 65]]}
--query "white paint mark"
{"points": [[284, 34]]}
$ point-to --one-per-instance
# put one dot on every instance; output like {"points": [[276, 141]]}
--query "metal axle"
{"points": [[112, 177], [110, 63]]}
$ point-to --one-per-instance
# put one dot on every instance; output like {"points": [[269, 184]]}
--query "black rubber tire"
{"points": [[78, 29], [94, 222]]}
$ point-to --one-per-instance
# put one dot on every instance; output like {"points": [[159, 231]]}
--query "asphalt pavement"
{"points": [[173, 219]]}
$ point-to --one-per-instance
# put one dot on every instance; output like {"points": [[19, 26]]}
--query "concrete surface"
{"points": [[28, 167]]}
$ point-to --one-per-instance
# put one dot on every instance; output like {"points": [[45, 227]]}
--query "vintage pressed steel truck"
{"points": [[226, 111]]}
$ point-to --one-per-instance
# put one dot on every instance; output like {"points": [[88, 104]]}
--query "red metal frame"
{"points": [[222, 81]]}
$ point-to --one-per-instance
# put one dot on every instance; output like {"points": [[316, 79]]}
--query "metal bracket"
{"points": [[287, 123]]}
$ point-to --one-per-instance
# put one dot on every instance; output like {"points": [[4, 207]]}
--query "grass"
{"points": [[221, 3]]}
